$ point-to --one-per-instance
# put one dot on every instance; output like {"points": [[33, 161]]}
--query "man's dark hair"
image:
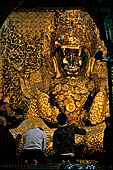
{"points": [[3, 113], [108, 119], [1, 102], [62, 118], [19, 111]]}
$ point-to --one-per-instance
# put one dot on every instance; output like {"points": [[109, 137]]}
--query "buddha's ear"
{"points": [[88, 60], [90, 66]]}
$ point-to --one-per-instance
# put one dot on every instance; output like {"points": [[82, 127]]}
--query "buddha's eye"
{"points": [[80, 62], [65, 61]]}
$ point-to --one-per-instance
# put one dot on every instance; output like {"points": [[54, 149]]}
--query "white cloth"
{"points": [[35, 139]]}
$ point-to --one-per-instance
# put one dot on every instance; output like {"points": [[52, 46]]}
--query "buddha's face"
{"points": [[73, 62]]}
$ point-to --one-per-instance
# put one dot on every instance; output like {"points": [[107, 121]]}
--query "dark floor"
{"points": [[80, 164]]}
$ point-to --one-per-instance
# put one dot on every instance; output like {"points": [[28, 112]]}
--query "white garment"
{"points": [[35, 139]]}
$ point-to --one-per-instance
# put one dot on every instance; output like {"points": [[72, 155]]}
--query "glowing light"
{"points": [[62, 37]]}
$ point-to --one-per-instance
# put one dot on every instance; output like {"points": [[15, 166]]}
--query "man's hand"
{"points": [[19, 117]]}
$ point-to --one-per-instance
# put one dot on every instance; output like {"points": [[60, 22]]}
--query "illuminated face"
{"points": [[73, 62]]}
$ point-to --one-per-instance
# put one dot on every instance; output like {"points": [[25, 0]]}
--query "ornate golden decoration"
{"points": [[70, 107]]}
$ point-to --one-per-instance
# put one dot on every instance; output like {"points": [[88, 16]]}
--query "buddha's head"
{"points": [[72, 60]]}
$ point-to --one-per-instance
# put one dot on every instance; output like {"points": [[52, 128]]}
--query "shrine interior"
{"points": [[58, 56]]}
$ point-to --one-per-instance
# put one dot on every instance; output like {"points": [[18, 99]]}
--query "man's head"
{"points": [[19, 111], [6, 107], [62, 119], [1, 104], [108, 121], [3, 121]]}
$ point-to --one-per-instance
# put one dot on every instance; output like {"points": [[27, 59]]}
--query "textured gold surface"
{"points": [[28, 42]]}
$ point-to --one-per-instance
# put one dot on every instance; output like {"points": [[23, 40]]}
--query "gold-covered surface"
{"points": [[28, 42], [70, 107]]}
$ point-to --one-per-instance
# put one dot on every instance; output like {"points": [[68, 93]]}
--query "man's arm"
{"points": [[50, 124], [80, 131], [55, 141], [44, 141]]}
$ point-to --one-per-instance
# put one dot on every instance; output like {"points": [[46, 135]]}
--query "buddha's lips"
{"points": [[72, 69]]}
